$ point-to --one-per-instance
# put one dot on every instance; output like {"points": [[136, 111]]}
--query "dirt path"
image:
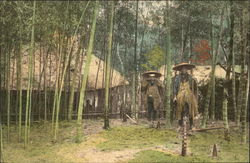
{"points": [[95, 155], [88, 152]]}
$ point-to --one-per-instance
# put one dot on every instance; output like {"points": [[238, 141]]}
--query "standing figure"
{"points": [[152, 87], [185, 94]]}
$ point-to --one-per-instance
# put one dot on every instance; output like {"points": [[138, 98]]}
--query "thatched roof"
{"points": [[51, 69], [201, 73], [117, 78]]}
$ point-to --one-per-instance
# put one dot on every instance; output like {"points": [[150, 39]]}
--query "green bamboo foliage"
{"points": [[86, 72], [209, 91], [107, 68], [168, 68], [28, 99]]}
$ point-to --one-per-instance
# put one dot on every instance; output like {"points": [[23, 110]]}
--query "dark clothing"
{"points": [[151, 110], [152, 114], [183, 114]]}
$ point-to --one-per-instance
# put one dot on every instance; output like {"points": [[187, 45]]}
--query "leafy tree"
{"points": [[154, 59], [202, 50]]}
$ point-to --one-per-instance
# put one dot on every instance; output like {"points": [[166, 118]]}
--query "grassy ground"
{"points": [[123, 143], [135, 137]]}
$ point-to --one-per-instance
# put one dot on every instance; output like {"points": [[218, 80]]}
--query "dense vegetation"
{"points": [[130, 37]]}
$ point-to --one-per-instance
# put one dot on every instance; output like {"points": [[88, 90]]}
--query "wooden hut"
{"points": [[94, 99]]}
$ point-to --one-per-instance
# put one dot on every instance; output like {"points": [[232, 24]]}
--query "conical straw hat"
{"points": [[151, 74], [179, 66]]}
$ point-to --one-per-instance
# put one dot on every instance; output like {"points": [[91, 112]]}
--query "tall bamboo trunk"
{"points": [[62, 73], [168, 68], [224, 107], [97, 74], [233, 57], [45, 59], [58, 61], [135, 78], [243, 31], [244, 76], [244, 108], [73, 84], [140, 104], [226, 96], [1, 142], [31, 92], [190, 44], [125, 104], [19, 83], [86, 72], [31, 53], [63, 76], [214, 60], [72, 88], [213, 78], [39, 93], [8, 90], [107, 70]]}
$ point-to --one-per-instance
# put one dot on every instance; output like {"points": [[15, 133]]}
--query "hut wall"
{"points": [[94, 104]]}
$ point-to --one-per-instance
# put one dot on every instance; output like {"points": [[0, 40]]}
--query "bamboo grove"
{"points": [[65, 35]]}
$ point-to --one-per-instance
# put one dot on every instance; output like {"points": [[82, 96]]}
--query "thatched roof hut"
{"points": [[52, 64]]}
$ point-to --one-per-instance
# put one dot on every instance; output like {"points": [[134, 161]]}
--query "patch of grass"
{"points": [[233, 151], [157, 156], [41, 148], [135, 137]]}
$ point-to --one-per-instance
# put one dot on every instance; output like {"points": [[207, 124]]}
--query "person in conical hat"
{"points": [[152, 87], [185, 93]]}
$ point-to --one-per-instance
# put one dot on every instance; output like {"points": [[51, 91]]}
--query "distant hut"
{"points": [[201, 73], [94, 99]]}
